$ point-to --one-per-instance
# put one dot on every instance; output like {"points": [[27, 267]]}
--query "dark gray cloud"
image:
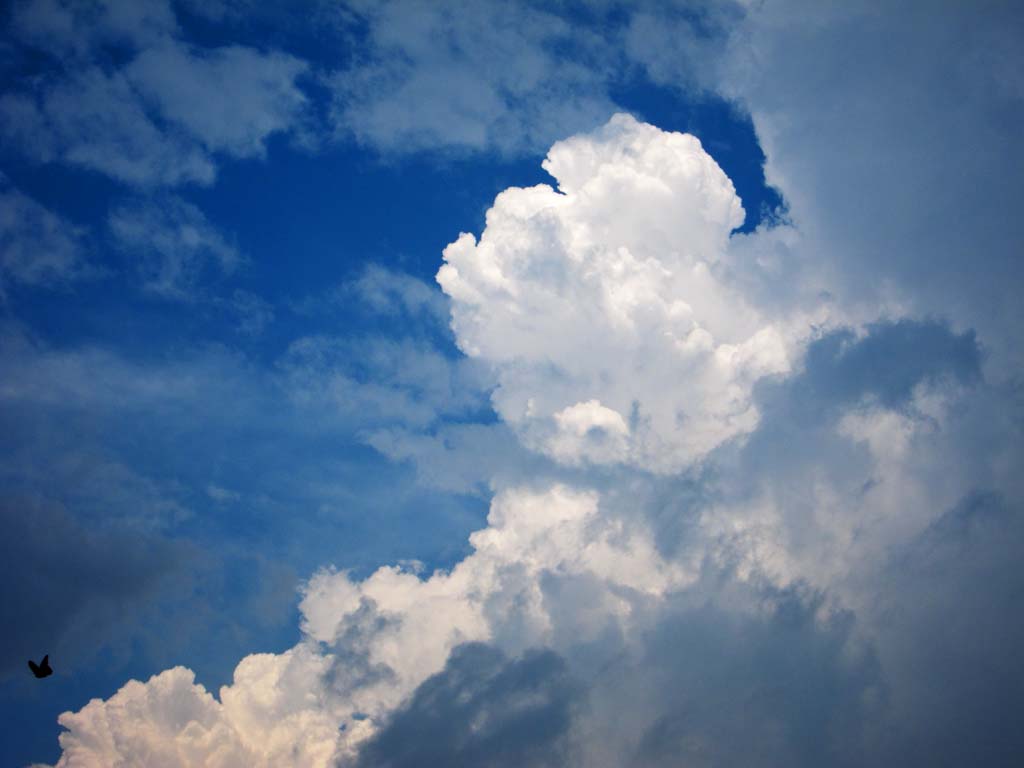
{"points": [[772, 686], [844, 373], [892, 133], [351, 667], [482, 710], [949, 604], [882, 367]]}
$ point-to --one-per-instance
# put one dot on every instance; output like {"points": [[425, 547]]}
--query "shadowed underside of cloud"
{"points": [[880, 367], [956, 675], [888, 362], [781, 686], [483, 710], [37, 247]]}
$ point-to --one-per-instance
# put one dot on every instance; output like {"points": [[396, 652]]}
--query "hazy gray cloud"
{"points": [[162, 117], [377, 381], [78, 27], [37, 247], [488, 76], [736, 674], [892, 135], [389, 292], [253, 313], [177, 249], [95, 120]]}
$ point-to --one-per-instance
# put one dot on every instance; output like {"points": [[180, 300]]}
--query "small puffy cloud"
{"points": [[384, 292], [378, 381], [176, 246], [77, 27], [590, 430], [37, 247], [479, 77], [461, 458], [229, 99], [222, 495], [389, 292], [252, 313], [273, 714], [602, 307], [96, 121], [162, 117]]}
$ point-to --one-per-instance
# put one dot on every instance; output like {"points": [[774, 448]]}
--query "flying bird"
{"points": [[43, 668]]}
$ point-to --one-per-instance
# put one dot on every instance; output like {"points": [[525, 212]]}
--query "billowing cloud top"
{"points": [[603, 308]]}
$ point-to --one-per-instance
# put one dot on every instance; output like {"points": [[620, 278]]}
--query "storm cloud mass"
{"points": [[752, 484]]}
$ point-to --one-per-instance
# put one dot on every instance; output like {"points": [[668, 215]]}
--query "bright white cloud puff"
{"points": [[602, 306]]}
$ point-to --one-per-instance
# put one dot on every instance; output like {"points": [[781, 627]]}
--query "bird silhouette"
{"points": [[43, 668]]}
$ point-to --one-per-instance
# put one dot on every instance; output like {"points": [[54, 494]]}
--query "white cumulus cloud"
{"points": [[368, 644], [615, 333]]}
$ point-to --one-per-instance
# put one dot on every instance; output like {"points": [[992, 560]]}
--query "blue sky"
{"points": [[403, 366]]}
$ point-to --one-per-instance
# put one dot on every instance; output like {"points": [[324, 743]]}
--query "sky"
{"points": [[392, 384]]}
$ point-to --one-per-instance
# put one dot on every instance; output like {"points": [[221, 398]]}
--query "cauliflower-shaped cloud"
{"points": [[604, 307], [369, 644]]}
